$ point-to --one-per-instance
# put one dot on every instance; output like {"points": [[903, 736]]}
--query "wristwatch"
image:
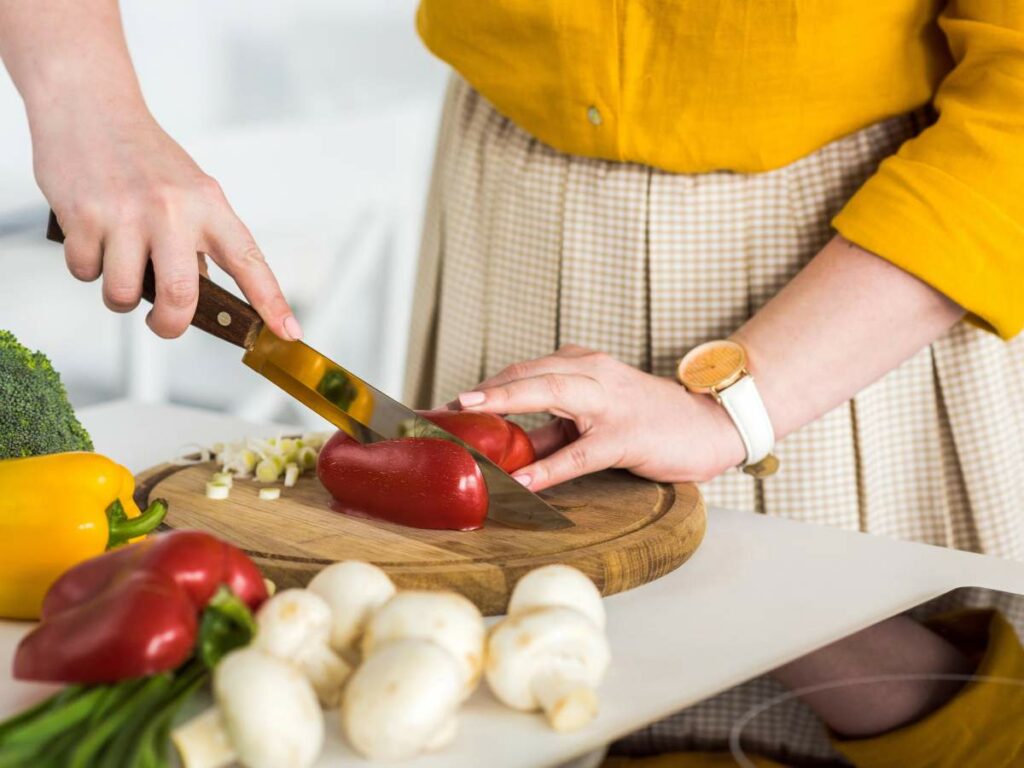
{"points": [[719, 368]]}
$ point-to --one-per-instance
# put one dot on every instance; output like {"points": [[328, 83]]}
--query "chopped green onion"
{"points": [[268, 470], [307, 457], [291, 474], [217, 491], [269, 460]]}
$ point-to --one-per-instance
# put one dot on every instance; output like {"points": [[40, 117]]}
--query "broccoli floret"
{"points": [[35, 415]]}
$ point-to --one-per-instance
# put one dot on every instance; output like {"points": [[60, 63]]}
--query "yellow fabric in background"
{"points": [[692, 86], [980, 726]]}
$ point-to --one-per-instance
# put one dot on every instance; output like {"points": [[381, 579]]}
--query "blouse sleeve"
{"points": [[948, 207]]}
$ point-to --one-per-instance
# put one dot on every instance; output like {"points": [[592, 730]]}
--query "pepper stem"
{"points": [[123, 529], [226, 624]]}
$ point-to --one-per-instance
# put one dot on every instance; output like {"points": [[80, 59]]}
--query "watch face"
{"points": [[713, 365]]}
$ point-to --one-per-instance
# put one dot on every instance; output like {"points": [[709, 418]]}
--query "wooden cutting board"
{"points": [[628, 531]]}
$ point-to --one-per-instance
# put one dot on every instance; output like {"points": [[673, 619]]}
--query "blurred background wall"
{"points": [[318, 118]]}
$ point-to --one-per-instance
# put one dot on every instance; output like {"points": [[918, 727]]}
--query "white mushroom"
{"points": [[295, 625], [550, 659], [402, 700], [445, 618], [354, 590], [554, 585], [266, 716]]}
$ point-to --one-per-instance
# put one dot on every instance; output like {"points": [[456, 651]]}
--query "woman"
{"points": [[618, 183], [745, 130]]}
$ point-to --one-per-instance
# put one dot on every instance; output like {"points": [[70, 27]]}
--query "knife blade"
{"points": [[345, 400], [368, 415]]}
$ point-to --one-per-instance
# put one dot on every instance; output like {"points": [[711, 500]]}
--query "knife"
{"points": [[341, 397]]}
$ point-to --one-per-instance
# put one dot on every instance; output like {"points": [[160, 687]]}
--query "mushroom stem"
{"points": [[326, 672], [203, 741], [566, 697]]}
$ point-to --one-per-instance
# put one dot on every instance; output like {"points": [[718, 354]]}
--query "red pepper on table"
{"points": [[133, 611], [420, 481]]}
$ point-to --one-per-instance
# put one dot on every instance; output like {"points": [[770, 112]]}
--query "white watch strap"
{"points": [[746, 409]]}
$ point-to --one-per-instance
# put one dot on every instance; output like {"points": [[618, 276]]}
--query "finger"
{"points": [[124, 259], [580, 457], [566, 395], [552, 436], [204, 267], [232, 246], [83, 246], [83, 253], [549, 364], [573, 350], [177, 284]]}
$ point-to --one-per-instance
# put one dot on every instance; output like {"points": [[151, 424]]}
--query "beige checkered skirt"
{"points": [[526, 249]]}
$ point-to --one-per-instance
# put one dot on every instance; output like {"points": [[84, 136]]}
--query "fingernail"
{"points": [[523, 479], [292, 327], [469, 399]]}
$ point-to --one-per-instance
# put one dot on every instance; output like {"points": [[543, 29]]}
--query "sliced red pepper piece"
{"points": [[520, 450], [142, 625], [415, 481], [487, 432], [503, 442]]}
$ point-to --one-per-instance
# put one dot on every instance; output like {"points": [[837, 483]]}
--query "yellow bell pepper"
{"points": [[55, 511]]}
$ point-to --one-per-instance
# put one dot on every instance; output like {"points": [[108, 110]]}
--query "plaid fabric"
{"points": [[526, 249]]}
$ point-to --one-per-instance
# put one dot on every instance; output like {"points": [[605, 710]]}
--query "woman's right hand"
{"points": [[124, 192]]}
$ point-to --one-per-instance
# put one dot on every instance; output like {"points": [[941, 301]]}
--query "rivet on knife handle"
{"points": [[219, 312]]}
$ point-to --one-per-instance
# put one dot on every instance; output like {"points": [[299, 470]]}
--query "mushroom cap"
{"points": [[353, 590], [292, 620], [445, 618], [557, 584], [269, 710], [543, 642], [401, 697]]}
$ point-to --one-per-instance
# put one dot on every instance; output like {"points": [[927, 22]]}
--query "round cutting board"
{"points": [[628, 531]]}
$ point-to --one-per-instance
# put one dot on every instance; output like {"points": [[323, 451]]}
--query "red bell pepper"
{"points": [[520, 450], [503, 442], [419, 481], [416, 481], [196, 561], [133, 611]]}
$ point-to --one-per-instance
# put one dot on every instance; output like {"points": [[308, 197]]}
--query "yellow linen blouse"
{"points": [[691, 86]]}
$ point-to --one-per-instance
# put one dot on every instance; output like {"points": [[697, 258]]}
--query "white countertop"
{"points": [[759, 591]]}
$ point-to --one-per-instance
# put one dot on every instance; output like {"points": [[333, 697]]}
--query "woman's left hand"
{"points": [[609, 414]]}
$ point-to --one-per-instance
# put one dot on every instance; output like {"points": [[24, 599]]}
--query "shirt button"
{"points": [[593, 115]]}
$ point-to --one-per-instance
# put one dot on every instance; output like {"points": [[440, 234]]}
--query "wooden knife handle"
{"points": [[219, 312]]}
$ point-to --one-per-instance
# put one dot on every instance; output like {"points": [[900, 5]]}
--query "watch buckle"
{"points": [[766, 467]]}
